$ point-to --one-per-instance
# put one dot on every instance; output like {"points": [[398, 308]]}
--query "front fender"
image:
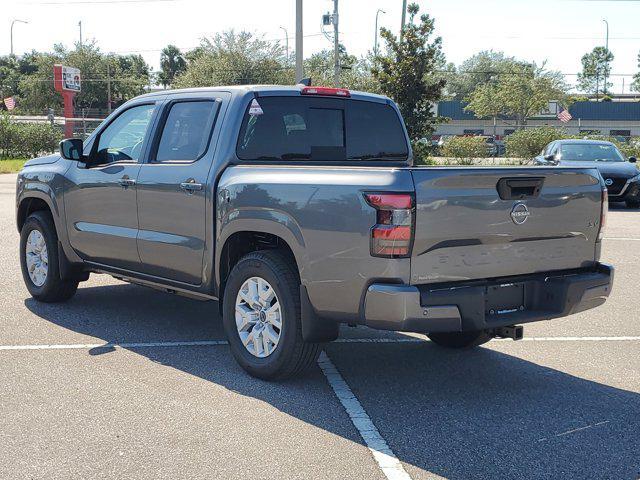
{"points": [[46, 185]]}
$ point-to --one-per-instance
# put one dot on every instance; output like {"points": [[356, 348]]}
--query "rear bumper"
{"points": [[472, 306]]}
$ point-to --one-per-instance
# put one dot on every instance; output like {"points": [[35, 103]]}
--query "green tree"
{"points": [[126, 76], [13, 69], [636, 78], [172, 63], [355, 72], [596, 68], [231, 58], [480, 69], [407, 73], [521, 90]]}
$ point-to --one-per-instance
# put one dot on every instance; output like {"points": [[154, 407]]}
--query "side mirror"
{"points": [[71, 149], [550, 158], [633, 159]]}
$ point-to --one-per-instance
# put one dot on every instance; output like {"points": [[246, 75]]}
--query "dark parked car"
{"points": [[621, 176]]}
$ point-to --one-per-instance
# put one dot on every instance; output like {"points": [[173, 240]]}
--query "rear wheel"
{"points": [[461, 340], [39, 260], [633, 203], [262, 317]]}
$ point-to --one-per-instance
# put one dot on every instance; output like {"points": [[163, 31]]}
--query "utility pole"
{"points": [[286, 43], [404, 18], [108, 89], [336, 46], [80, 27], [299, 57], [375, 40], [606, 66], [11, 31]]}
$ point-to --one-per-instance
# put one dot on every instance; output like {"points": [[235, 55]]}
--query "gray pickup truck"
{"points": [[299, 208]]}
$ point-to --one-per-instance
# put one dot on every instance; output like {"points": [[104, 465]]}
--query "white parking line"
{"points": [[89, 346], [628, 239], [581, 339], [208, 343], [382, 453]]}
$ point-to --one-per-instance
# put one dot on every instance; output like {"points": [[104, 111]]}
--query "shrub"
{"points": [[529, 142], [421, 153], [27, 139], [465, 147]]}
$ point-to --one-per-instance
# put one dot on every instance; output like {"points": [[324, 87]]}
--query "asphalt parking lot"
{"points": [[164, 398]]}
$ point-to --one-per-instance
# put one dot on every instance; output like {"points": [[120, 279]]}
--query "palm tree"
{"points": [[172, 63]]}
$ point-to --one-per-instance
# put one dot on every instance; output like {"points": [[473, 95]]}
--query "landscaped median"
{"points": [[26, 139], [11, 165]]}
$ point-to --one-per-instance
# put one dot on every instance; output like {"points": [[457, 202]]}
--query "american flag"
{"points": [[563, 115], [10, 103]]}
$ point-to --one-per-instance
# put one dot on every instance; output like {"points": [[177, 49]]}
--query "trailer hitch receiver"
{"points": [[515, 332]]}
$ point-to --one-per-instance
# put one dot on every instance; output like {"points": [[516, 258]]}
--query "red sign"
{"points": [[66, 80]]}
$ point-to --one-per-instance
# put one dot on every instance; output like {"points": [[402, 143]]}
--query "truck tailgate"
{"points": [[465, 231]]}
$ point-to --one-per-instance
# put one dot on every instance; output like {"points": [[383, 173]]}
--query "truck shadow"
{"points": [[461, 415]]}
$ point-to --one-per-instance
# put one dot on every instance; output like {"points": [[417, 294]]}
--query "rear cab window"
{"points": [[321, 129]]}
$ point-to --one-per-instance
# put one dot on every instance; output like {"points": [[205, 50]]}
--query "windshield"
{"points": [[591, 152]]}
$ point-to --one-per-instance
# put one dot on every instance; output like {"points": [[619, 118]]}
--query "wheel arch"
{"points": [[30, 204], [239, 242]]}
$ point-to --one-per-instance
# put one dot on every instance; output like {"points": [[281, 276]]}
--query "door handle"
{"points": [[191, 186], [127, 182]]}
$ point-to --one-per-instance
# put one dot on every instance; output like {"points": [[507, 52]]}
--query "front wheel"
{"points": [[633, 203], [262, 317], [461, 340], [39, 260]]}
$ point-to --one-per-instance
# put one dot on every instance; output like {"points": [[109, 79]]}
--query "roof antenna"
{"points": [[305, 82]]}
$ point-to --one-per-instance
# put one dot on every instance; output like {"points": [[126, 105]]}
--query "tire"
{"points": [[291, 355], [53, 289], [461, 340], [633, 203]]}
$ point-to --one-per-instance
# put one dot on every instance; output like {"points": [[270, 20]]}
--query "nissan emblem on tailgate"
{"points": [[519, 213]]}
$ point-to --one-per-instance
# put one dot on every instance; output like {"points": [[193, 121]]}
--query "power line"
{"points": [[96, 2], [187, 49]]}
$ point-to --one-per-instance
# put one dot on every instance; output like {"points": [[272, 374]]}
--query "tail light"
{"points": [[392, 235], [604, 209]]}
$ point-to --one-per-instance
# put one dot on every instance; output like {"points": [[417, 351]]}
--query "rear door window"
{"points": [[317, 129], [186, 131]]}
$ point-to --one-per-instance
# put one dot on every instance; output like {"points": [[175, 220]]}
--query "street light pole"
{"points": [[607, 55], [286, 43], [80, 27], [336, 46], [299, 57], [404, 18], [15, 20], [375, 41]]}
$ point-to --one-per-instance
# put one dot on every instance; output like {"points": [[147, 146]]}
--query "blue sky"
{"points": [[558, 31]]}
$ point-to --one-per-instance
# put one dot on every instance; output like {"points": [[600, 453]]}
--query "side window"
{"points": [[122, 139], [547, 150], [187, 130]]}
